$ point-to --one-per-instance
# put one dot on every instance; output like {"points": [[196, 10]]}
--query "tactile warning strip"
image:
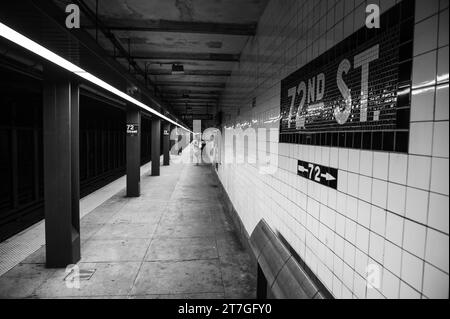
{"points": [[15, 249], [20, 246]]}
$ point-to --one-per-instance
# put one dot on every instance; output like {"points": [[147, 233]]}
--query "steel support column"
{"points": [[166, 143], [133, 152], [156, 145], [61, 168]]}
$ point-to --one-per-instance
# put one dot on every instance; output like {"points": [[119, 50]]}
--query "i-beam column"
{"points": [[166, 143], [61, 168], [156, 145], [133, 152]]}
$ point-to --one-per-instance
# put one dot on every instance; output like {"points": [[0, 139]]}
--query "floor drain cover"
{"points": [[79, 274]]}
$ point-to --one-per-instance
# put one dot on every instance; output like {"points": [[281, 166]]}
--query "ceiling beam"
{"points": [[191, 98], [190, 106], [193, 101], [178, 26], [172, 91], [192, 72], [183, 56], [193, 84]]}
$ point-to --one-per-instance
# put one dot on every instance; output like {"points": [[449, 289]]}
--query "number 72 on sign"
{"points": [[320, 174]]}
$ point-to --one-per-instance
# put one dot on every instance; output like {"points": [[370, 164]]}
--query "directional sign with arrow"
{"points": [[320, 174]]}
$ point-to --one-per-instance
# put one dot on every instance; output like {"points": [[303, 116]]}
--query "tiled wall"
{"points": [[390, 209]]}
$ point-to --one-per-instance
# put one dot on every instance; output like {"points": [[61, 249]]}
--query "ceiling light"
{"points": [[38, 49]]}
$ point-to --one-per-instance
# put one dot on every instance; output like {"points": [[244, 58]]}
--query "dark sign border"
{"points": [[400, 16]]}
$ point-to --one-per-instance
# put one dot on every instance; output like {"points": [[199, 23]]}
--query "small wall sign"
{"points": [[320, 174]]}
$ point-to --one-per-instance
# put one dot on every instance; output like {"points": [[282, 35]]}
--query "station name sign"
{"points": [[132, 129], [356, 94]]}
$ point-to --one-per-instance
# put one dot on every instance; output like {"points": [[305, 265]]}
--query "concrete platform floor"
{"points": [[174, 241]]}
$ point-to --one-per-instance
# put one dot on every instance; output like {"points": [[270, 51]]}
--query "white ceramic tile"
{"points": [[443, 28], [334, 157], [416, 205], [435, 283], [364, 214], [424, 70], [343, 159], [380, 165], [353, 184], [439, 175], [437, 249], [422, 104], [396, 198], [398, 165], [412, 270], [350, 230], [421, 138], [378, 221], [442, 105], [376, 247], [359, 286], [385, 4], [349, 254], [348, 276], [353, 160], [442, 68], [438, 212], [325, 156], [390, 285], [440, 139], [342, 204], [365, 188], [339, 10], [342, 183], [346, 293], [379, 193], [337, 288], [332, 195], [361, 261], [425, 9], [374, 294], [366, 163], [425, 35], [360, 17], [406, 292], [362, 238], [392, 257], [348, 25], [414, 237], [419, 171], [394, 228], [340, 225]]}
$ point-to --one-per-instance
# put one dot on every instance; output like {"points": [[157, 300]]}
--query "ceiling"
{"points": [[206, 37]]}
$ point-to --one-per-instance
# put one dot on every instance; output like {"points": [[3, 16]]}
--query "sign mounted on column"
{"points": [[320, 174], [132, 129], [357, 94]]}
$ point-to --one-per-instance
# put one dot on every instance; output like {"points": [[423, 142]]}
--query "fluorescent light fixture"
{"points": [[38, 49]]}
